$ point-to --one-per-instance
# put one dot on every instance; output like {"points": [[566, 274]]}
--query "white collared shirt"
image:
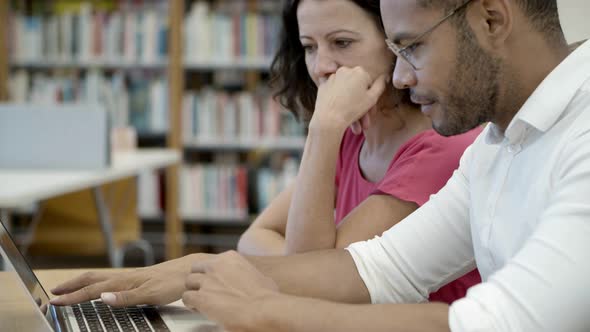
{"points": [[519, 207]]}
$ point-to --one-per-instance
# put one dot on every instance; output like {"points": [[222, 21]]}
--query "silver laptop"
{"points": [[94, 315]]}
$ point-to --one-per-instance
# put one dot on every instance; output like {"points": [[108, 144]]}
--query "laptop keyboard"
{"points": [[97, 316]]}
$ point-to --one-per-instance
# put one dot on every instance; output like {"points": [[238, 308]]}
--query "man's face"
{"points": [[456, 82]]}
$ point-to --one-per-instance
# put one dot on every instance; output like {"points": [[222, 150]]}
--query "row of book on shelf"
{"points": [[132, 31], [140, 100], [210, 115], [228, 31], [217, 191], [137, 99]]}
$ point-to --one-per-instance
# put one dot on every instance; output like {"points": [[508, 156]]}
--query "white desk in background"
{"points": [[21, 188]]}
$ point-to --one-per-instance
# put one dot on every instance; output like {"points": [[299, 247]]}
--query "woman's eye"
{"points": [[343, 43], [308, 48]]}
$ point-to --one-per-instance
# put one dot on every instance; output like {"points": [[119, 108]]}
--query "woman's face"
{"points": [[337, 33]]}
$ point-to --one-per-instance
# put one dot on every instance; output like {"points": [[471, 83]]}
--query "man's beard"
{"points": [[473, 90]]}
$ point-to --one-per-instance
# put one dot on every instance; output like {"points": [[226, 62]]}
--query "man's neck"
{"points": [[531, 63]]}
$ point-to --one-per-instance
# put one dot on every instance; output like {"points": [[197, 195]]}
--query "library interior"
{"points": [[133, 132], [196, 144]]}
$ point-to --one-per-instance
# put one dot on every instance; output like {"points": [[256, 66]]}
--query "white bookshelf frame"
{"points": [[246, 144], [212, 217], [259, 64]]}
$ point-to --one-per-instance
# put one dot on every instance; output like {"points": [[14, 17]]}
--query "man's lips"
{"points": [[425, 104], [421, 101]]}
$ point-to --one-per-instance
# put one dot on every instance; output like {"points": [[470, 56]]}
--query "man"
{"points": [[518, 206]]}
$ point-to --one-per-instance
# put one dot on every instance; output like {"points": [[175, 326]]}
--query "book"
{"points": [[239, 33], [137, 99], [211, 115], [87, 32]]}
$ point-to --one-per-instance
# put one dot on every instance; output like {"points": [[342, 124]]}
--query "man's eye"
{"points": [[412, 47]]}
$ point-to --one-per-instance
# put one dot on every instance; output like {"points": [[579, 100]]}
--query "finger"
{"points": [[194, 281], [360, 74], [356, 128], [365, 121], [201, 266], [126, 298], [84, 294], [198, 267], [190, 298], [377, 88], [80, 281]]}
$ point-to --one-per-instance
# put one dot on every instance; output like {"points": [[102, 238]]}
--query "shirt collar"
{"points": [[550, 99]]}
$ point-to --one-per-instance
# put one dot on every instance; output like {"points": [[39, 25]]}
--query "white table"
{"points": [[21, 188]]}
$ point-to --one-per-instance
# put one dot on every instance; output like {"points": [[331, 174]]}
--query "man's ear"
{"points": [[492, 21]]}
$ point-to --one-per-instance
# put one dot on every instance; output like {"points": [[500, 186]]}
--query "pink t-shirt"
{"points": [[420, 168]]}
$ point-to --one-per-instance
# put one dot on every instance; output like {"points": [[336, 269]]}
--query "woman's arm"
{"points": [[342, 100], [310, 223], [371, 218], [266, 235]]}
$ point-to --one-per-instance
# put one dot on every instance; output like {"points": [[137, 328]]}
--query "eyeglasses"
{"points": [[407, 52]]}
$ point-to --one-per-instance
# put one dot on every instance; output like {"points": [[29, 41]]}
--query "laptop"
{"points": [[95, 315]]}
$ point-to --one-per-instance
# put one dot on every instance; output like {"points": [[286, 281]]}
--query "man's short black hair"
{"points": [[542, 14]]}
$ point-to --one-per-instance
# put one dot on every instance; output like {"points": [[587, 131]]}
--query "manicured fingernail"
{"points": [[108, 297]]}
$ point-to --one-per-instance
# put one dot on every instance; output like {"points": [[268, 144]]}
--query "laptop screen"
{"points": [[11, 255]]}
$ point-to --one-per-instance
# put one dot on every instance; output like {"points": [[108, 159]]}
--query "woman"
{"points": [[353, 183]]}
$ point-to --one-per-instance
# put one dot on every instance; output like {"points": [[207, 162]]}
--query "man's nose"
{"points": [[404, 76]]}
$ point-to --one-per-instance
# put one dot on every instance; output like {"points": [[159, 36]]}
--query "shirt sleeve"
{"points": [[428, 249], [423, 168], [546, 285]]}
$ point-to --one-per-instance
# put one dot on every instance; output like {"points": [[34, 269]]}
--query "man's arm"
{"points": [[249, 301], [327, 274], [319, 315]]}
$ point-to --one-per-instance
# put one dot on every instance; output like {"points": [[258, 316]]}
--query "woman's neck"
{"points": [[387, 133], [387, 130]]}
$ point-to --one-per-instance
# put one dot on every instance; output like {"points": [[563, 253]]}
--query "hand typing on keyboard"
{"points": [[158, 284], [228, 289]]}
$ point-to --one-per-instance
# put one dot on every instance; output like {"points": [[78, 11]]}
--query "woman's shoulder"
{"points": [[431, 139]]}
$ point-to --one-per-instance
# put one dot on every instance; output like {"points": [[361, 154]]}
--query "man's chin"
{"points": [[444, 130]]}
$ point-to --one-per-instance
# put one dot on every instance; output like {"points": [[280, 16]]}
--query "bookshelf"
{"points": [[185, 77], [261, 64]]}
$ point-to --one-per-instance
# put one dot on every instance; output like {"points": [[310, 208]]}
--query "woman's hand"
{"points": [[158, 284], [345, 97]]}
